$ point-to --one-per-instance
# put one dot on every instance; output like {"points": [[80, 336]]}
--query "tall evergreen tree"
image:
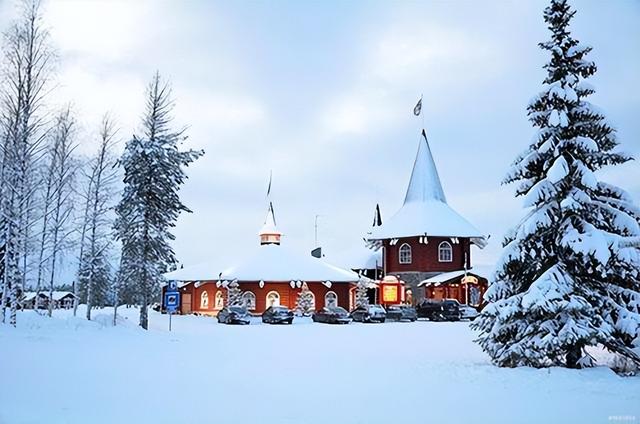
{"points": [[153, 173], [569, 276]]}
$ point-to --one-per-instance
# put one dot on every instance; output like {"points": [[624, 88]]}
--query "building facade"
{"points": [[426, 237], [269, 275]]}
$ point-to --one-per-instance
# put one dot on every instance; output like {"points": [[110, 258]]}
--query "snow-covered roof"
{"points": [[57, 295], [273, 262], [483, 271], [198, 272], [358, 257], [268, 262], [425, 210]]}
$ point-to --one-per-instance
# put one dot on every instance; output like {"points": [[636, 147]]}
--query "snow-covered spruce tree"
{"points": [[362, 298], [150, 205], [568, 277], [234, 294], [94, 274], [305, 302]]}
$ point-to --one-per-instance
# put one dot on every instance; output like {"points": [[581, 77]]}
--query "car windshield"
{"points": [[279, 309], [237, 309], [393, 308], [376, 308], [337, 310]]}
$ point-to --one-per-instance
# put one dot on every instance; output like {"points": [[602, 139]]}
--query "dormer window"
{"points": [[404, 254], [445, 252]]}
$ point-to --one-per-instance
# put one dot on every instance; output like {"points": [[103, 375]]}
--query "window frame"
{"points": [[325, 299], [218, 302], [204, 300], [247, 294], [404, 250], [267, 299], [445, 246]]}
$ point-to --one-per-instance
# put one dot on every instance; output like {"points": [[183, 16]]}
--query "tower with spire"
{"points": [[426, 237], [269, 233]]}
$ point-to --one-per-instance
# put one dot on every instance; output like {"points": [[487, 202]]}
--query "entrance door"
{"points": [[185, 307]]}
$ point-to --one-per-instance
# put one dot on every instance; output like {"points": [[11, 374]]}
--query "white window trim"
{"points": [[441, 247], [405, 262], [218, 295], [327, 294], [252, 295], [267, 298], [204, 298]]}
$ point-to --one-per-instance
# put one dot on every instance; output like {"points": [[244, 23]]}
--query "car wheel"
{"points": [[382, 320]]}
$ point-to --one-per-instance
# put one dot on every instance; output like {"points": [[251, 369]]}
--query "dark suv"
{"points": [[439, 310]]}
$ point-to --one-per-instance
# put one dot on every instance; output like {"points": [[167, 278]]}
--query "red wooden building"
{"points": [[269, 275], [426, 237]]}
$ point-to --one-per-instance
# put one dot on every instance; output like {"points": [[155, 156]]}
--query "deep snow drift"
{"points": [[68, 370]]}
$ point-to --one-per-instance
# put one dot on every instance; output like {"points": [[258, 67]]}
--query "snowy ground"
{"points": [[68, 370]]}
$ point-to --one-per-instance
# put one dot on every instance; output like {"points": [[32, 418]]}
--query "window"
{"points": [[445, 252], [330, 299], [204, 300], [273, 299], [405, 254], [219, 304], [249, 300]]}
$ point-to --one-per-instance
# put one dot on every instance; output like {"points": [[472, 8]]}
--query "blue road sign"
{"points": [[172, 286], [171, 301]]}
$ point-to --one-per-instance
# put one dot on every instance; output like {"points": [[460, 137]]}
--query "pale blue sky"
{"points": [[322, 94]]}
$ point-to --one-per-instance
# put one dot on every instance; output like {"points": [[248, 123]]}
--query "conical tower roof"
{"points": [[425, 211], [424, 184]]}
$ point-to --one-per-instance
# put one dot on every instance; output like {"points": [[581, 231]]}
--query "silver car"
{"points": [[468, 312]]}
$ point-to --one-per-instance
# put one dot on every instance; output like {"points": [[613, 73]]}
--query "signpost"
{"points": [[171, 300], [391, 290]]}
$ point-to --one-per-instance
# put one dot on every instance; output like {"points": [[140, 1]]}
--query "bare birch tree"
{"points": [[63, 175], [96, 239], [26, 71]]}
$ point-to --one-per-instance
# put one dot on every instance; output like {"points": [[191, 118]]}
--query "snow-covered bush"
{"points": [[305, 303]]}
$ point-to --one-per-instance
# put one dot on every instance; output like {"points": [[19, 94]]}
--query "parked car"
{"points": [[468, 312], [439, 310], [234, 315], [369, 313], [277, 315], [332, 315], [401, 313]]}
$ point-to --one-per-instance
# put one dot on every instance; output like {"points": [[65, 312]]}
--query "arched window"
{"points": [[445, 252], [204, 300], [273, 298], [405, 254], [249, 300], [330, 299], [219, 300]]}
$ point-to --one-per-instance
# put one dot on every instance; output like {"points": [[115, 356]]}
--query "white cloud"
{"points": [[103, 29]]}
